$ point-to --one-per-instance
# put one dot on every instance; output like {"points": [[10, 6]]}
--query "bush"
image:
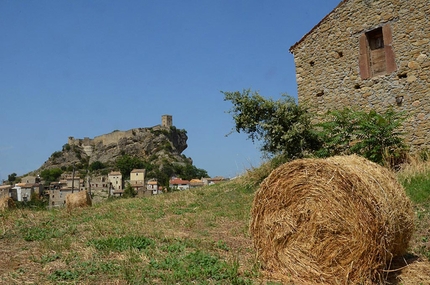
{"points": [[375, 136]]}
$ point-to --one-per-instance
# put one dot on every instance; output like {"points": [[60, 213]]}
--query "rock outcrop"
{"points": [[156, 145]]}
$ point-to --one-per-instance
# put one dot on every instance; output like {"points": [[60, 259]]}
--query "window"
{"points": [[376, 53]]}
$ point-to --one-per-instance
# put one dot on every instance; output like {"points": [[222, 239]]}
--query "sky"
{"points": [[84, 68]]}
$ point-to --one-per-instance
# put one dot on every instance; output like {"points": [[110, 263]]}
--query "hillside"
{"points": [[198, 236], [158, 145]]}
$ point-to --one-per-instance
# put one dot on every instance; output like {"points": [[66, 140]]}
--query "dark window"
{"points": [[376, 53], [375, 39]]}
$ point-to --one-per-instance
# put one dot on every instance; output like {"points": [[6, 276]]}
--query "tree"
{"points": [[126, 164], [283, 127], [189, 172], [96, 165], [375, 136], [50, 175], [129, 191], [11, 178]]}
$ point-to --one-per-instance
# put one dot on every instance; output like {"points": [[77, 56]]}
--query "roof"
{"points": [[138, 171], [315, 27], [112, 173], [153, 182], [5, 187], [178, 181]]}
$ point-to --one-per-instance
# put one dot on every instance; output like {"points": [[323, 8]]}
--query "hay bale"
{"points": [[78, 200], [339, 220], [6, 203]]}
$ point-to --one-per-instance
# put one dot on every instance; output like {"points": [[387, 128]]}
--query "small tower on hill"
{"points": [[166, 121]]}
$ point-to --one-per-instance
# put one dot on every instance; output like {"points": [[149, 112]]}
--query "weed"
{"points": [[122, 244], [63, 275]]}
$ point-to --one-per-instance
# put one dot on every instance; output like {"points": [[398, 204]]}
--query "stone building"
{"points": [[166, 121], [115, 180], [370, 55], [137, 181]]}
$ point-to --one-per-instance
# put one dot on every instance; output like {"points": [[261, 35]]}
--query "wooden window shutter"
{"points": [[389, 53], [363, 60]]}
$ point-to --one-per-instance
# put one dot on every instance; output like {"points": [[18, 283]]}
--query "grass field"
{"points": [[189, 237]]}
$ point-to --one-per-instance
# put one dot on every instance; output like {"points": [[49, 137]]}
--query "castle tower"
{"points": [[166, 121]]}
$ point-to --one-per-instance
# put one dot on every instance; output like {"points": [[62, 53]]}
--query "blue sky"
{"points": [[85, 68]]}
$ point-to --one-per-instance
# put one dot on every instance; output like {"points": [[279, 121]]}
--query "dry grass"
{"points": [[335, 221], [198, 236]]}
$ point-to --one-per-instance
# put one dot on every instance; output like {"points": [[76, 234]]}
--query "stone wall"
{"points": [[329, 62]]}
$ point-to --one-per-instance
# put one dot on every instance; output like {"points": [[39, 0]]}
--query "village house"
{"points": [[370, 55], [195, 183], [58, 191], [5, 190], [211, 181], [115, 180], [137, 181], [30, 179], [153, 187], [23, 192], [179, 184]]}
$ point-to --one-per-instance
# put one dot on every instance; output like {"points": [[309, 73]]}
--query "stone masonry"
{"points": [[370, 55]]}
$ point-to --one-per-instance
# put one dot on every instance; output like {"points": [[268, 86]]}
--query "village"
{"points": [[100, 188]]}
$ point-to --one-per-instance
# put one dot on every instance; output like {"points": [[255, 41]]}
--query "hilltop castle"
{"points": [[113, 137]]}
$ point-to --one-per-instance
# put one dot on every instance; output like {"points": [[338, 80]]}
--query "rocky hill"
{"points": [[157, 145]]}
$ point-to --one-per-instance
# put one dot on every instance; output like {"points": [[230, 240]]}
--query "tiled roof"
{"points": [[178, 181], [138, 171]]}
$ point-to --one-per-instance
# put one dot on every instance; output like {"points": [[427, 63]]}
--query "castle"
{"points": [[113, 137]]}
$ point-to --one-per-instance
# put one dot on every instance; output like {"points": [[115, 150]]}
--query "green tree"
{"points": [[11, 178], [126, 164], [189, 172], [129, 191], [283, 127], [96, 165], [50, 175]]}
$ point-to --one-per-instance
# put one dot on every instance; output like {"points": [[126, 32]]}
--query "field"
{"points": [[189, 237]]}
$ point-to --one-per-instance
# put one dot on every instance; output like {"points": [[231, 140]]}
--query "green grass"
{"points": [[198, 236], [418, 188]]}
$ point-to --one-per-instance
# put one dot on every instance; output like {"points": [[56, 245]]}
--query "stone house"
{"points": [[211, 181], [5, 190], [153, 187], [115, 180], [30, 179], [22, 192], [137, 181], [195, 183], [370, 55]]}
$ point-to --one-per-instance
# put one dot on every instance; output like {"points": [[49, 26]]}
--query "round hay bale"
{"points": [[6, 203], [339, 220]]}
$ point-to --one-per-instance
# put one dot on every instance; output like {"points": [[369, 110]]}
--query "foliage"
{"points": [[282, 126], [66, 147], [122, 243], [12, 178], [373, 135], [126, 164], [189, 171], [56, 154], [96, 165], [36, 203], [50, 175], [418, 188], [129, 191], [285, 129]]}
